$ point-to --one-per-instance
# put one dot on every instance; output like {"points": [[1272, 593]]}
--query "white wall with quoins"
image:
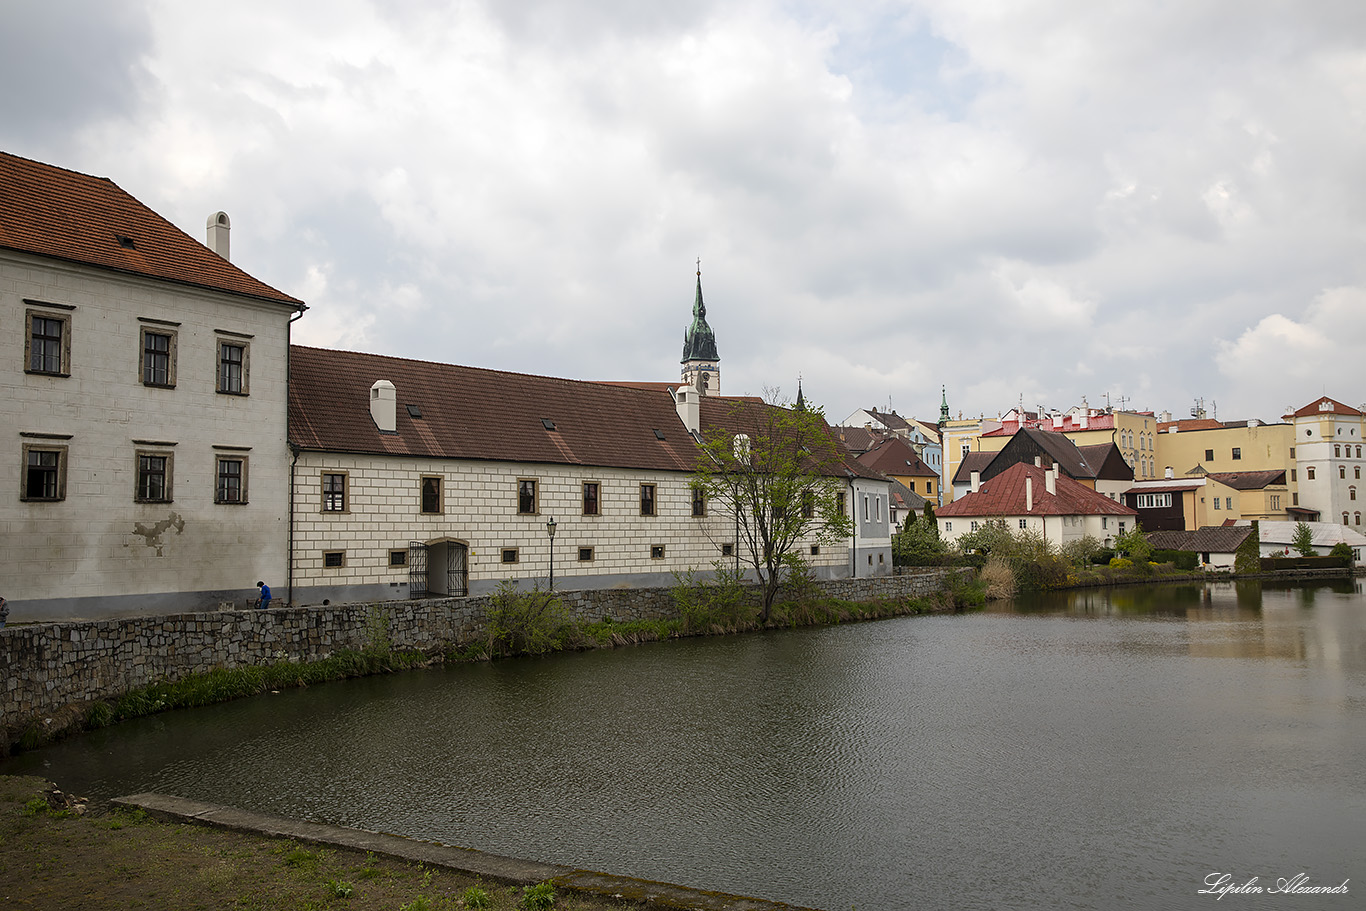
{"points": [[480, 509], [97, 552]]}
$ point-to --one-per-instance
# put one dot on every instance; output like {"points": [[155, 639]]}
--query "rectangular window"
{"points": [[154, 478], [334, 492], [1209, 455], [44, 473], [1024, 523], [910, 485], [1228, 502], [699, 502], [974, 526], [231, 486], [526, 496], [647, 499], [334, 558], [585, 554], [877, 508], [865, 507], [49, 343], [727, 550], [509, 555], [840, 506], [948, 526], [1309, 473], [1342, 472], [1292, 452], [1275, 502], [1294, 499], [431, 494], [591, 504], [1121, 526], [232, 367], [1237, 453], [398, 558], [657, 551], [808, 504], [158, 357], [1216, 502], [1292, 475], [1104, 522], [815, 550]]}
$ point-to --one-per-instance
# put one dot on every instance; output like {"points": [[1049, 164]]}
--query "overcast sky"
{"points": [[1037, 199]]}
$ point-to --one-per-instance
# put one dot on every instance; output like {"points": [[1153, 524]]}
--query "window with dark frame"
{"points": [[156, 358], [727, 550], [44, 474], [647, 499], [815, 550], [334, 493], [431, 494], [1309, 473], [699, 502], [526, 496], [154, 478], [657, 551], [591, 504], [509, 555], [585, 554], [232, 361], [231, 486], [1209, 455], [1237, 453], [334, 558], [47, 344], [398, 558]]}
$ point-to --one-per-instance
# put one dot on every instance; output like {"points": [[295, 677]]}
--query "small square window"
{"points": [[431, 494], [154, 477], [233, 364], [526, 496], [647, 499], [334, 558], [44, 473], [398, 558], [585, 554], [948, 526], [509, 555], [334, 492], [815, 550], [231, 484], [158, 357], [1024, 523], [727, 550], [591, 503], [49, 343], [657, 551]]}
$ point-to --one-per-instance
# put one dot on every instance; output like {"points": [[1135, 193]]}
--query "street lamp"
{"points": [[550, 530]]}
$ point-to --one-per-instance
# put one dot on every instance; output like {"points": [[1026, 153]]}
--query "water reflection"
{"points": [[1088, 749]]}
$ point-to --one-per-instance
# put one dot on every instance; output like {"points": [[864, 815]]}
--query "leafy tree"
{"points": [[1343, 551], [782, 475], [1303, 539], [1134, 544], [918, 544], [1247, 558]]}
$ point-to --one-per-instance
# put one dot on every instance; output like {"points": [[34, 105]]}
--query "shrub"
{"points": [[1247, 559], [524, 623], [1185, 560], [476, 898], [999, 579], [538, 897], [1121, 563], [721, 604], [1343, 551]]}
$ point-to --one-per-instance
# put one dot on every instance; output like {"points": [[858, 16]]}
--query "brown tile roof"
{"points": [[1336, 407], [895, 456], [476, 413], [1217, 539], [50, 211], [858, 439], [1188, 425], [1004, 495], [1249, 480], [748, 415], [973, 461], [905, 498]]}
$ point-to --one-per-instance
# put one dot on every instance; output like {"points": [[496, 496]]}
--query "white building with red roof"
{"points": [[1028, 498], [1328, 460]]}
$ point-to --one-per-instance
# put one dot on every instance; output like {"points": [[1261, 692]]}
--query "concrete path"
{"points": [[491, 866]]}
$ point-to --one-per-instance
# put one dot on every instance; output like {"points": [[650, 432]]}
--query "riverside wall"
{"points": [[47, 667]]}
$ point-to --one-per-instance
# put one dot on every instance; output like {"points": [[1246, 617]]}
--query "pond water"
{"points": [[1091, 749]]}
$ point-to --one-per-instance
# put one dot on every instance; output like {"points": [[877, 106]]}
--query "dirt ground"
{"points": [[55, 858]]}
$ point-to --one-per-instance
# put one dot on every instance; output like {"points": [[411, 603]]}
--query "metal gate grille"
{"points": [[417, 569], [457, 571]]}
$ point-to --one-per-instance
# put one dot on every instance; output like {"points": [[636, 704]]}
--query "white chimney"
{"points": [[1038, 461], [1170, 473], [1050, 481], [384, 406], [974, 481], [1029, 493], [218, 227], [686, 400], [1057, 421], [1084, 418]]}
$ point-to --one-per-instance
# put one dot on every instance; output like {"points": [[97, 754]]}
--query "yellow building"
{"points": [[1239, 453]]}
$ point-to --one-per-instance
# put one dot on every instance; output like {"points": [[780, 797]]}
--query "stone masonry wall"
{"points": [[50, 665]]}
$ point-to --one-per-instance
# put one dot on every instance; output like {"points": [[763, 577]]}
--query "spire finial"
{"points": [[699, 267]]}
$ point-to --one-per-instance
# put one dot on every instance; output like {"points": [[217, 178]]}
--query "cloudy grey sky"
{"points": [[1037, 199]]}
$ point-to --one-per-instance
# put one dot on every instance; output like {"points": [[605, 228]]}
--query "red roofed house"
{"points": [[1027, 498], [146, 468], [1328, 459], [895, 458]]}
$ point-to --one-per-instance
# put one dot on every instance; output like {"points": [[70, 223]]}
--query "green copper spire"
{"points": [[943, 406], [699, 344]]}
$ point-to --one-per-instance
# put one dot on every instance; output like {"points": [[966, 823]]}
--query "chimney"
{"points": [[1050, 481], [974, 481], [218, 227], [1029, 493], [1057, 422], [1083, 418], [1038, 461], [384, 406], [689, 408], [1170, 473]]}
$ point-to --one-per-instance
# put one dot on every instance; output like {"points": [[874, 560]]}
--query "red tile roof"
{"points": [[894, 456], [1004, 495], [50, 211], [1313, 408], [476, 413], [1190, 424], [1069, 424]]}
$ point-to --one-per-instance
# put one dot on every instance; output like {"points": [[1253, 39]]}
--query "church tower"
{"points": [[701, 363]]}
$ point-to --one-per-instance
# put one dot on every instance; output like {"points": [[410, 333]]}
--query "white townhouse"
{"points": [[142, 404], [413, 478], [1327, 456]]}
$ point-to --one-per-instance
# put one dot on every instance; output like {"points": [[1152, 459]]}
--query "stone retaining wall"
{"points": [[47, 666]]}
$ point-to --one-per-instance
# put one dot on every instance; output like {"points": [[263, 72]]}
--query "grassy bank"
{"points": [[52, 857], [519, 623]]}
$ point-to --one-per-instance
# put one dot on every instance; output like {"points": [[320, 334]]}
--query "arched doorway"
{"points": [[438, 568]]}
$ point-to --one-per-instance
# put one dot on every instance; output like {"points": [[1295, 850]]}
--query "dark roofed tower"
{"points": [[701, 363]]}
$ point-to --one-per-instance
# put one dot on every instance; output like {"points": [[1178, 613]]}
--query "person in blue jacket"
{"points": [[265, 595]]}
